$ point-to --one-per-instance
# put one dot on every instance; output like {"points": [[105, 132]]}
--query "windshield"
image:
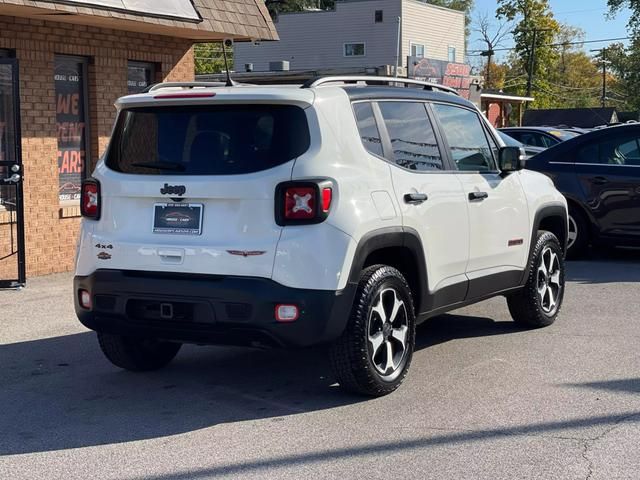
{"points": [[563, 134], [207, 140], [509, 141]]}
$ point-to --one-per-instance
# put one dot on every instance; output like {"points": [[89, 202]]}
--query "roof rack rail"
{"points": [[160, 86], [318, 81]]}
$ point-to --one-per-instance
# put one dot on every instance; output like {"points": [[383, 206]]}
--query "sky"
{"points": [[590, 15]]}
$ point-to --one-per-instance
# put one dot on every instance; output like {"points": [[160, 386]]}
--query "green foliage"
{"points": [[285, 6], [624, 84], [209, 58], [634, 5], [535, 29], [569, 77]]}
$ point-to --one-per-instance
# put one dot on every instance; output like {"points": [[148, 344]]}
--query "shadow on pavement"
{"points": [[448, 327], [606, 265], [60, 393], [628, 385], [390, 448]]}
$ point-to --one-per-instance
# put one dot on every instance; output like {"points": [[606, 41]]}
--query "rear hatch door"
{"points": [[190, 188]]}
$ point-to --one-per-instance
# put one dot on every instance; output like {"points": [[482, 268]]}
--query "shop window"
{"points": [[140, 76], [71, 125]]}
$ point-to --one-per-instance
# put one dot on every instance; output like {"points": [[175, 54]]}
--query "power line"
{"points": [[561, 44]]}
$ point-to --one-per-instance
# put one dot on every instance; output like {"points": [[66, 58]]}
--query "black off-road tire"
{"points": [[579, 247], [350, 355], [137, 354], [526, 306]]}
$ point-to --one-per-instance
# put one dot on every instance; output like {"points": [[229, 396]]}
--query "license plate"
{"points": [[177, 218]]}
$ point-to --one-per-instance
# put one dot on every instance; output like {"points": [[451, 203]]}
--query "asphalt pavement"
{"points": [[483, 400]]}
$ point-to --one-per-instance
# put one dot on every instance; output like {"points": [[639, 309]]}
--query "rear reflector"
{"points": [[327, 194], [187, 95], [85, 299], [287, 313], [90, 199], [300, 203]]}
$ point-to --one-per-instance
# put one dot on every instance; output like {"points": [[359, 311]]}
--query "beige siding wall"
{"points": [[315, 39], [435, 28]]}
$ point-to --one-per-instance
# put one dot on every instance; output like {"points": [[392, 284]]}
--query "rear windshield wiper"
{"points": [[160, 165]]}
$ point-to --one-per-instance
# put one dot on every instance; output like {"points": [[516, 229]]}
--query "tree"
{"points": [[209, 58], [284, 6], [533, 36], [634, 5], [492, 36]]}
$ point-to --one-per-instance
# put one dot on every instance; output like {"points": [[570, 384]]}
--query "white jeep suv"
{"points": [[344, 212]]}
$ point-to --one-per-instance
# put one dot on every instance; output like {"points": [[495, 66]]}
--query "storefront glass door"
{"points": [[12, 252]]}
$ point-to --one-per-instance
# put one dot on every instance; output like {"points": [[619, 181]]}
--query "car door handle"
{"points": [[599, 180], [415, 198], [473, 196]]}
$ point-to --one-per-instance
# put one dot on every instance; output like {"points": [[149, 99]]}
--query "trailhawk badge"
{"points": [[246, 253]]}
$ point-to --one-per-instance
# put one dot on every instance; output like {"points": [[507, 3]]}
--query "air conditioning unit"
{"points": [[281, 66]]}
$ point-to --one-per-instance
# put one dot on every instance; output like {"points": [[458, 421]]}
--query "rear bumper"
{"points": [[209, 309]]}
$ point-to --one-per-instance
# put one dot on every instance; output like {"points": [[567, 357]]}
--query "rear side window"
{"points": [[412, 137], [467, 139], [367, 127], [207, 140], [624, 150]]}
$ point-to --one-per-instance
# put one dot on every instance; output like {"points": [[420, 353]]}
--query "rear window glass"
{"points": [[207, 140]]}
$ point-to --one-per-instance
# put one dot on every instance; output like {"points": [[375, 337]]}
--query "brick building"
{"points": [[67, 62]]}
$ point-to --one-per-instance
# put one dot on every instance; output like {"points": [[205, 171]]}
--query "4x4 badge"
{"points": [[245, 253], [173, 189]]}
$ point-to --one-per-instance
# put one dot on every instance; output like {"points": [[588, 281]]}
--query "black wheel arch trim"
{"points": [[392, 237], [548, 211]]}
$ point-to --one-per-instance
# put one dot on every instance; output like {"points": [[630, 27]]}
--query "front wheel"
{"points": [[539, 302], [137, 354], [373, 355]]}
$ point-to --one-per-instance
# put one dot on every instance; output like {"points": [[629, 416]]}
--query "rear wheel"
{"points": [[373, 355], [137, 354], [539, 302]]}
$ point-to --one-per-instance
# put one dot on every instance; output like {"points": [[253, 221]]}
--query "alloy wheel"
{"points": [[549, 283], [387, 333], [573, 232]]}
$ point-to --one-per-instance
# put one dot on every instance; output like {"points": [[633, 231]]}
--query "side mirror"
{"points": [[511, 159]]}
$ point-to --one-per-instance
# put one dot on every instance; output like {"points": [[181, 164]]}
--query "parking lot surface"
{"points": [[483, 399]]}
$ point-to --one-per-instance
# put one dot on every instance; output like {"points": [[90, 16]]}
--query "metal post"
{"points": [[398, 48]]}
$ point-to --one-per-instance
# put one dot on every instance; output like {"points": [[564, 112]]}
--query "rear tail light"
{"points": [[300, 203], [303, 203], [90, 199]]}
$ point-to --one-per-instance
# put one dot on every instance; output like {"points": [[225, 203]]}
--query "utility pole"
{"points": [[488, 53], [603, 54], [532, 61]]}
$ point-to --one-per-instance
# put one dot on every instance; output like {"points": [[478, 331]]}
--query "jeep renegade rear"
{"points": [[342, 213]]}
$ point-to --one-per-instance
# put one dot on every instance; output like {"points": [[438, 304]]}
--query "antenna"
{"points": [[227, 42]]}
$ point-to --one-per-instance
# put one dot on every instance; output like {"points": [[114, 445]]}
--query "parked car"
{"points": [[599, 173], [544, 137], [512, 142], [336, 213]]}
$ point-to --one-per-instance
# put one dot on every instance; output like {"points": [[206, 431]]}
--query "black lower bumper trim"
{"points": [[209, 309]]}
